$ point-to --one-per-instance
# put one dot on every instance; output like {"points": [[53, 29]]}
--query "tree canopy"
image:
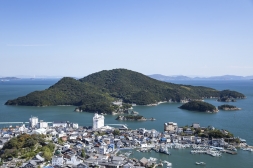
{"points": [[95, 92], [198, 106]]}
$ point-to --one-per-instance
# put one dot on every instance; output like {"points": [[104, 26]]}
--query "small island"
{"points": [[199, 106], [131, 118], [227, 107]]}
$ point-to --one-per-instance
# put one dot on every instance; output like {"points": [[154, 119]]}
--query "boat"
{"points": [[164, 150], [168, 164], [200, 163]]}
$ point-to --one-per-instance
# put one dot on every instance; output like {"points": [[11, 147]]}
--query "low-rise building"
{"points": [[170, 126], [57, 160]]}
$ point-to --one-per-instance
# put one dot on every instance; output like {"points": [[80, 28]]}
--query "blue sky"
{"points": [[76, 38]]}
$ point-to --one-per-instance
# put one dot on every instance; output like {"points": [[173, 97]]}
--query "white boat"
{"points": [[200, 163]]}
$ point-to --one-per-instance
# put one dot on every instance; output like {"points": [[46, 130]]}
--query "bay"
{"points": [[238, 122]]}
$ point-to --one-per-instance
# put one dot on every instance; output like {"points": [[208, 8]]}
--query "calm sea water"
{"points": [[240, 123]]}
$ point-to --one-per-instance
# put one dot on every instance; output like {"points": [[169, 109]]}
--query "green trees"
{"points": [[95, 92], [219, 134], [198, 106], [27, 146], [116, 132], [83, 153]]}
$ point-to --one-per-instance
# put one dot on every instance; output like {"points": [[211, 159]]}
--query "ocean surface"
{"points": [[240, 123]]}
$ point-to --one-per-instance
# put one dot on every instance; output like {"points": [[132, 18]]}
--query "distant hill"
{"points": [[96, 92], [9, 78], [181, 77]]}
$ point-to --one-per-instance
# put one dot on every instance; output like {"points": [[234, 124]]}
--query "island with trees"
{"points": [[199, 106], [228, 107], [96, 92], [131, 118]]}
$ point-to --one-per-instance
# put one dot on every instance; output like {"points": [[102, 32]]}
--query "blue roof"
{"points": [[163, 139]]}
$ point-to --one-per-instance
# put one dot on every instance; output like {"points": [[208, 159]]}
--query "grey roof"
{"points": [[144, 160], [117, 158]]}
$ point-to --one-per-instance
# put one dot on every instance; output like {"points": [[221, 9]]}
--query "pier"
{"points": [[19, 122]]}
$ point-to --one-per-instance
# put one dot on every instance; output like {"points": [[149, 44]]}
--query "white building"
{"points": [[34, 121], [57, 160], [117, 103], [102, 150], [43, 124], [40, 131], [73, 160], [22, 128], [75, 125], [98, 121], [60, 124], [170, 126]]}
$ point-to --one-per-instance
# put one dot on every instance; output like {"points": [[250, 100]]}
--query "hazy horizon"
{"points": [[77, 38]]}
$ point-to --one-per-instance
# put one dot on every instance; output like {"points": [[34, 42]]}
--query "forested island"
{"points": [[199, 106], [227, 107], [131, 118], [96, 92]]}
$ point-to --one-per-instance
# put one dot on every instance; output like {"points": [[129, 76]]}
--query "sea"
{"points": [[240, 123]]}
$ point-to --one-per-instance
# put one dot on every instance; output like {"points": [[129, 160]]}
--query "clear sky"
{"points": [[170, 37]]}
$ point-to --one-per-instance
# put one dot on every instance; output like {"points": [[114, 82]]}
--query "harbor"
{"points": [[236, 122], [107, 146]]}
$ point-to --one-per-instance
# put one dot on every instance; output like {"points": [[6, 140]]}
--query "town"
{"points": [[65, 144]]}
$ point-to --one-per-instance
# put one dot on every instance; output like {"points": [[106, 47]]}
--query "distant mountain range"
{"points": [[181, 77], [8, 78]]}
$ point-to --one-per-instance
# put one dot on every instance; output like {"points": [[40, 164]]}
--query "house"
{"points": [[118, 159], [82, 165], [72, 160], [102, 150], [195, 125], [57, 160], [60, 124], [170, 126], [144, 161], [31, 164], [188, 131]]}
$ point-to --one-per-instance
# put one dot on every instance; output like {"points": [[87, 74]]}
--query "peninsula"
{"points": [[199, 106], [96, 92]]}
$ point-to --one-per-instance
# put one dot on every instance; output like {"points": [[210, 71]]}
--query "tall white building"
{"points": [[98, 121], [34, 121]]}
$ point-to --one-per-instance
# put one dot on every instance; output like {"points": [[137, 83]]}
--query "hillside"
{"points": [[199, 106], [95, 92]]}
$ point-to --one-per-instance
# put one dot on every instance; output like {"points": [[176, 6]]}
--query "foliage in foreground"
{"points": [[27, 146]]}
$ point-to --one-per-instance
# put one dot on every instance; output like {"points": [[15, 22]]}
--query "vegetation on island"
{"points": [[228, 107], [131, 117], [199, 106], [96, 92], [26, 146], [226, 99], [211, 132]]}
